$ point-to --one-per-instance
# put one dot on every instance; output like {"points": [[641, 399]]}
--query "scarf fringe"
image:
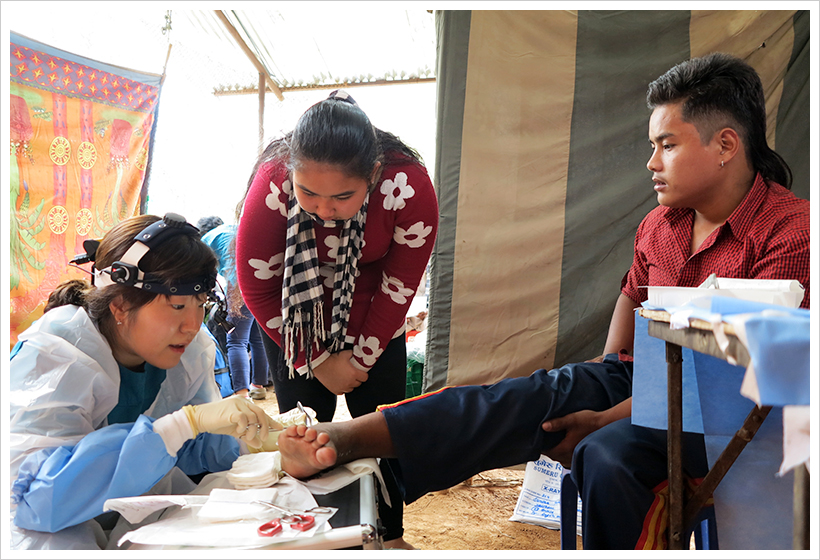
{"points": [[315, 334]]}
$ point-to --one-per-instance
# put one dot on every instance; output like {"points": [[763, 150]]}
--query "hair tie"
{"points": [[342, 95]]}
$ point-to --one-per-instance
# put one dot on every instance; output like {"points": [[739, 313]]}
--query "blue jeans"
{"points": [[244, 338]]}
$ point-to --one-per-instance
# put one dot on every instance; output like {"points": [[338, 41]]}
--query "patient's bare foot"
{"points": [[305, 451]]}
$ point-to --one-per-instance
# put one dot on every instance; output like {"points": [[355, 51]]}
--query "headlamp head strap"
{"points": [[127, 272]]}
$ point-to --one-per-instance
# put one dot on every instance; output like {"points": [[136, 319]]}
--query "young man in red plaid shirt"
{"points": [[725, 209]]}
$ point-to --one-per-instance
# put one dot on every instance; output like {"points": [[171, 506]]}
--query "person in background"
{"points": [[725, 208], [335, 231], [207, 223], [248, 376], [112, 391]]}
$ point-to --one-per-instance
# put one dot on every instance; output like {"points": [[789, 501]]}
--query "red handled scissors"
{"points": [[302, 522], [270, 528], [297, 522]]}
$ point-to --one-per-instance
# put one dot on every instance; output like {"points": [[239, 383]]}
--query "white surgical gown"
{"points": [[65, 459]]}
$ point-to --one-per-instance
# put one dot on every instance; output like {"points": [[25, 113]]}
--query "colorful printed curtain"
{"points": [[81, 134]]}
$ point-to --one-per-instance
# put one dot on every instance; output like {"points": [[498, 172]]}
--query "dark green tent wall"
{"points": [[541, 168]]}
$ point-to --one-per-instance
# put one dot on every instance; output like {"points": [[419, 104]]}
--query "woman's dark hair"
{"points": [[70, 292], [177, 258], [720, 91], [334, 131]]}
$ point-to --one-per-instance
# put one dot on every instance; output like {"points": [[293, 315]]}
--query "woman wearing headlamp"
{"points": [[112, 391]]}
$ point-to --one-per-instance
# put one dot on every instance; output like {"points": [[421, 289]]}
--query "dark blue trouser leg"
{"points": [[616, 469], [443, 438]]}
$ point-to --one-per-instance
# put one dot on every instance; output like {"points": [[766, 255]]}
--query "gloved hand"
{"points": [[271, 443], [232, 416], [294, 417]]}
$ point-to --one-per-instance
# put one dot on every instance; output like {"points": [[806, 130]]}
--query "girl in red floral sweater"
{"points": [[335, 231]]}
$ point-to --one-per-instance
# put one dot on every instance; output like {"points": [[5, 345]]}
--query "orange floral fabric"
{"points": [[81, 134]]}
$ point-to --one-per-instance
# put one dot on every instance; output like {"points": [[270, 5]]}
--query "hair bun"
{"points": [[69, 292], [342, 95]]}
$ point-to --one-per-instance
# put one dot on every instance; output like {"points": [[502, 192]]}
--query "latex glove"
{"points": [[233, 416], [338, 374], [293, 417]]}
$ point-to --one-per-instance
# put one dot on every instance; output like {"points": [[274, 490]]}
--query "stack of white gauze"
{"points": [[232, 505], [256, 470]]}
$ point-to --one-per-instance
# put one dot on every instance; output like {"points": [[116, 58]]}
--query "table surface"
{"points": [[355, 525], [699, 336], [700, 324]]}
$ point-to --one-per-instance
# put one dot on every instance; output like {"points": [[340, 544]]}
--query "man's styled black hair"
{"points": [[719, 91]]}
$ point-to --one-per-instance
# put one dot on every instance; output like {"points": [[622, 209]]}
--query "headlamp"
{"points": [[126, 271]]}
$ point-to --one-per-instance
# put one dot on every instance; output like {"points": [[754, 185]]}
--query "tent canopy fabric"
{"points": [[541, 168]]}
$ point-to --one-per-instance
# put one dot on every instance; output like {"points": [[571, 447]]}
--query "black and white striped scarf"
{"points": [[302, 290]]}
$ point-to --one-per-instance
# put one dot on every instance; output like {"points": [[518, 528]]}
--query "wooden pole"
{"points": [[165, 66], [261, 112], [250, 54], [802, 507], [340, 85], [674, 380]]}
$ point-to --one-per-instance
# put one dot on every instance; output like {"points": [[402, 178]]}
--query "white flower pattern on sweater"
{"points": [[396, 192], [275, 202], [394, 288], [328, 272], [413, 236], [275, 323], [265, 270], [332, 243], [368, 350]]}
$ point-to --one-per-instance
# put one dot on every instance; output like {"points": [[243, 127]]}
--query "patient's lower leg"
{"points": [[306, 451]]}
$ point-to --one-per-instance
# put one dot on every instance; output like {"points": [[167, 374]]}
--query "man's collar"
{"points": [[740, 220]]}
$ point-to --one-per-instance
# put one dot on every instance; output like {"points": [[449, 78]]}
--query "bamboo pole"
{"points": [[341, 85], [250, 54], [261, 88]]}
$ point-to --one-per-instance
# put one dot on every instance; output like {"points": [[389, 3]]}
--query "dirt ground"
{"points": [[473, 515]]}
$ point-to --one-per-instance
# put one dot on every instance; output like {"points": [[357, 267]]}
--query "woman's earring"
{"points": [[120, 322], [721, 163]]}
